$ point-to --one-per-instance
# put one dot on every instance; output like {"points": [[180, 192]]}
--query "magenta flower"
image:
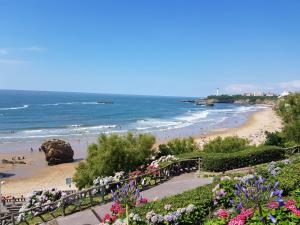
{"points": [[273, 205], [222, 213]]}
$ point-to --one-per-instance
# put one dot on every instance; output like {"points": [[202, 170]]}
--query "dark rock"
{"points": [[57, 152]]}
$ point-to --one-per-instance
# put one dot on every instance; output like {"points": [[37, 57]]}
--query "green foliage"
{"points": [[274, 138], [113, 153], [289, 178], [249, 99], [289, 110], [282, 215], [225, 145], [178, 146], [249, 157], [223, 192], [201, 197]]}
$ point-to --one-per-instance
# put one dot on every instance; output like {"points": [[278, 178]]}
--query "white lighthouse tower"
{"points": [[217, 91]]}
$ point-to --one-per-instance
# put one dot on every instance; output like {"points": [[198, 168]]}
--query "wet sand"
{"points": [[35, 174]]}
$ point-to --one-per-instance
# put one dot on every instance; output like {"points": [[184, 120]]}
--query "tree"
{"points": [[114, 153], [289, 110], [178, 146], [227, 144]]}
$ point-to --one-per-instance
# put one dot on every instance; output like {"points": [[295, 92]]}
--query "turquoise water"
{"points": [[30, 115]]}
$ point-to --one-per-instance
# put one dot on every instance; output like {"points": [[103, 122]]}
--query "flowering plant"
{"points": [[171, 217], [103, 181], [253, 192], [223, 192], [41, 199], [167, 158], [125, 198]]}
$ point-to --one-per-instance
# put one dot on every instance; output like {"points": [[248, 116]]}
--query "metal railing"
{"points": [[99, 194]]}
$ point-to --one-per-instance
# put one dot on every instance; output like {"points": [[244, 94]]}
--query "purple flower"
{"points": [[272, 218], [281, 202], [240, 206]]}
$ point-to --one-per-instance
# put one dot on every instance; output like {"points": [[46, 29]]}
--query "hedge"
{"points": [[201, 197], [218, 162]]}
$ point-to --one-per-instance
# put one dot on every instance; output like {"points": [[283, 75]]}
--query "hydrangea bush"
{"points": [[41, 199]]}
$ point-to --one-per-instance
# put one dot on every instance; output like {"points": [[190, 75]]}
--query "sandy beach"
{"points": [[35, 174]]}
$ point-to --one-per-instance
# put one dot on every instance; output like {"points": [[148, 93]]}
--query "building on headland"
{"points": [[258, 93], [284, 94]]}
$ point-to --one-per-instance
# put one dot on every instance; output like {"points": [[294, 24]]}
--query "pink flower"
{"points": [[241, 217], [247, 212], [238, 220], [290, 202], [273, 205], [143, 201], [222, 213], [117, 208], [106, 218], [114, 218], [235, 221], [297, 212]]}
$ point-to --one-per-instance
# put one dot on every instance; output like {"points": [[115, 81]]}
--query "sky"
{"points": [[153, 47]]}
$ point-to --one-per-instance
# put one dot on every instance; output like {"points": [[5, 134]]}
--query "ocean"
{"points": [[39, 115]]}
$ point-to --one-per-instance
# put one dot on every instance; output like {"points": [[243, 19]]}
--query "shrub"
{"points": [[252, 156], [289, 178], [289, 110], [178, 146], [201, 197], [274, 138], [113, 153], [227, 144]]}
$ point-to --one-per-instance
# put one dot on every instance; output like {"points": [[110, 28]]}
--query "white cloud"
{"points": [[33, 49], [241, 87], [12, 61], [293, 85]]}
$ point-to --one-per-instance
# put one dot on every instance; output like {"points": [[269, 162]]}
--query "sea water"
{"points": [[35, 115]]}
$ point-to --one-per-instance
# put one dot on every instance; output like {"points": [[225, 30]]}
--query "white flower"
{"points": [[225, 178], [167, 207], [215, 188]]}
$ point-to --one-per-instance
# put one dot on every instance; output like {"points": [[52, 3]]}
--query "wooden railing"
{"points": [[99, 194], [293, 150], [13, 200]]}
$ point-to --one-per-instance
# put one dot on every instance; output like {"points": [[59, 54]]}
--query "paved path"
{"points": [[173, 186]]}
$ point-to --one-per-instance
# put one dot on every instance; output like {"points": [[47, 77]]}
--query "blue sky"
{"points": [[157, 47]]}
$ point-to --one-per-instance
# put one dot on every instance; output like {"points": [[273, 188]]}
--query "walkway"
{"points": [[174, 186]]}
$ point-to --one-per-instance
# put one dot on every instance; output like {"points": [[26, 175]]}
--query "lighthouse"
{"points": [[217, 91]]}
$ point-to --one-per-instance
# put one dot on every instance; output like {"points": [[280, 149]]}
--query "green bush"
{"points": [[289, 178], [113, 153], [274, 138], [249, 157], [178, 146], [289, 110], [201, 197], [225, 145]]}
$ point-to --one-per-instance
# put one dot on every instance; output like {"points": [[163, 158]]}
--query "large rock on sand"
{"points": [[57, 152]]}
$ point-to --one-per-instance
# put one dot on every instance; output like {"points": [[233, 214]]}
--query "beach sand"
{"points": [[35, 174], [254, 128]]}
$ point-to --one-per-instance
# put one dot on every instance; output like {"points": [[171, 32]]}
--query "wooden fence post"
{"points": [[63, 206], [13, 219], [91, 197], [199, 164], [102, 193]]}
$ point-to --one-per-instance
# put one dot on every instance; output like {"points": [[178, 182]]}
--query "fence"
{"points": [[98, 194], [293, 150]]}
